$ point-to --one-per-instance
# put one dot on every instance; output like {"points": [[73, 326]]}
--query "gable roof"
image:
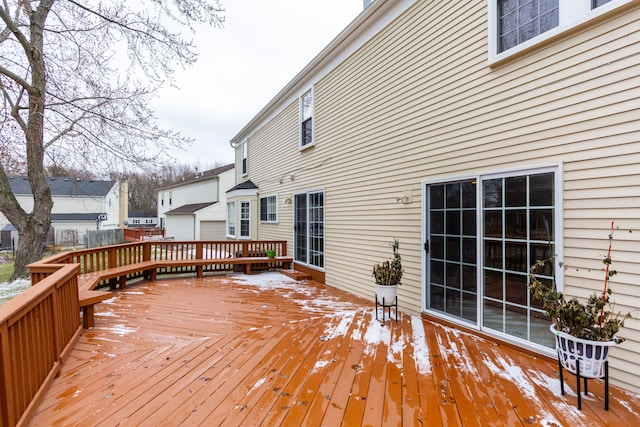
{"points": [[63, 186], [205, 175], [189, 209], [246, 185]]}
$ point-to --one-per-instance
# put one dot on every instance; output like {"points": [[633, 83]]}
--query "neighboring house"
{"points": [[481, 141], [78, 206], [146, 219], [8, 237], [195, 209]]}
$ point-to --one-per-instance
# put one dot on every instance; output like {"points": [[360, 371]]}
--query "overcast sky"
{"points": [[241, 67]]}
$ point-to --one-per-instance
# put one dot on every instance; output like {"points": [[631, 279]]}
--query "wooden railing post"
{"points": [[146, 251]]}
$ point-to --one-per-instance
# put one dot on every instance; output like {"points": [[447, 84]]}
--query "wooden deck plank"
{"points": [[446, 402], [265, 350], [255, 403], [329, 394], [411, 408], [295, 398], [334, 412]]}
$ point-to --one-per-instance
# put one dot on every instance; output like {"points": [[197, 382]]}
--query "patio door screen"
{"points": [[480, 245], [309, 228]]}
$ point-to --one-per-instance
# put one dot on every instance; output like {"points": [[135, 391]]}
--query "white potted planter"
{"points": [[591, 355], [386, 294]]}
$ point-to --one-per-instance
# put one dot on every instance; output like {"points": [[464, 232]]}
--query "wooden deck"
{"points": [[267, 350]]}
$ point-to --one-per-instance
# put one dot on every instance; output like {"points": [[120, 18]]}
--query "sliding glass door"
{"points": [[309, 228], [480, 243]]}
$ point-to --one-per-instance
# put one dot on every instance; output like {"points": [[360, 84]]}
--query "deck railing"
{"points": [[142, 233], [40, 326], [37, 329]]}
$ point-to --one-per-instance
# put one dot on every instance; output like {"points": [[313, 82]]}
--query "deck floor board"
{"points": [[266, 350]]}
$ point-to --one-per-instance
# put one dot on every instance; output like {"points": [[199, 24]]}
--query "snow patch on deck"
{"points": [[509, 370], [420, 348]]}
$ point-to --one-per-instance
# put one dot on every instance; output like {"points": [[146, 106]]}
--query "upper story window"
{"points": [[521, 20], [306, 119], [268, 212], [244, 158], [516, 25]]}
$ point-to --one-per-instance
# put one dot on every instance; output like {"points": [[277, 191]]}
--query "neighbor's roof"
{"points": [[205, 175], [8, 227], [189, 209], [142, 214], [64, 186], [78, 217]]}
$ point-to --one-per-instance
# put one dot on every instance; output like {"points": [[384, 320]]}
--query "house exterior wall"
{"points": [[212, 230], [192, 192], [109, 204], [420, 103], [217, 212], [142, 221], [202, 190], [182, 227]]}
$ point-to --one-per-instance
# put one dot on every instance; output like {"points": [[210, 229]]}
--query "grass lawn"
{"points": [[6, 269]]}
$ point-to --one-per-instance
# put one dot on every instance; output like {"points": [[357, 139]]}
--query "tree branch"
{"points": [[16, 78]]}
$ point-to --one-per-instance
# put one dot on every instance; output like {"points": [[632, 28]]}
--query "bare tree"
{"points": [[76, 77]]}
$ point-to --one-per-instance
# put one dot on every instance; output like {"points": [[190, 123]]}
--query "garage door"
{"points": [[212, 230]]}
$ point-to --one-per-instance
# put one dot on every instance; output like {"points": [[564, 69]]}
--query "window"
{"points": [[306, 119], [521, 20], [245, 219], [244, 158], [482, 235], [515, 25], [268, 211], [231, 219], [309, 228]]}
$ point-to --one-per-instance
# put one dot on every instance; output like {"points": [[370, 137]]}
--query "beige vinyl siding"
{"points": [[419, 103], [276, 145]]}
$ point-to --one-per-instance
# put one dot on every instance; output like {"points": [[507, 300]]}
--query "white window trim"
{"points": [[313, 120], [239, 226], [572, 14], [235, 219], [275, 196], [244, 161], [504, 173]]}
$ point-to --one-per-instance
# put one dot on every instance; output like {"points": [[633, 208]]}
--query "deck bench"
{"points": [[88, 296], [88, 299], [245, 262]]}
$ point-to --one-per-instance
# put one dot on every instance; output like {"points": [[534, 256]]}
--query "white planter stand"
{"points": [[386, 297], [585, 359]]}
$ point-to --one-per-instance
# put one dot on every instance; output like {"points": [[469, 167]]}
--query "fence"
{"points": [[97, 238]]}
